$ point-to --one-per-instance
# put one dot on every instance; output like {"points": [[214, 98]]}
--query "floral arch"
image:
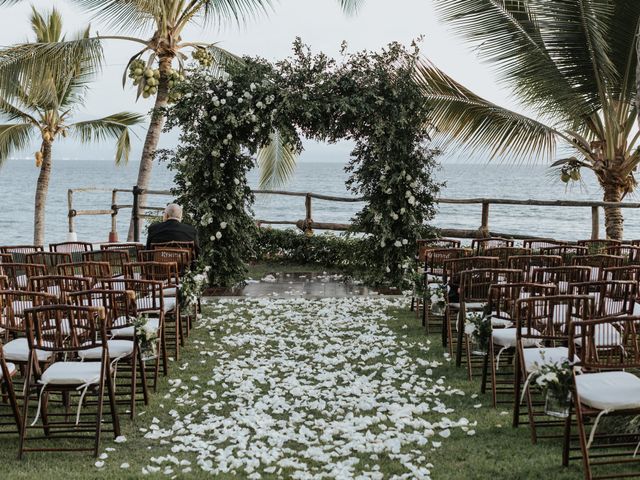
{"points": [[369, 98]]}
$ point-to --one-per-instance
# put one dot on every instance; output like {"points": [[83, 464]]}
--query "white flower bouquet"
{"points": [[192, 286], [477, 327], [555, 381], [147, 334], [437, 297]]}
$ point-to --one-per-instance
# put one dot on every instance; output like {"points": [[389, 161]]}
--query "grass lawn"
{"points": [[314, 378]]}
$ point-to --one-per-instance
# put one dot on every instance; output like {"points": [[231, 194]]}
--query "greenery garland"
{"points": [[369, 98]]}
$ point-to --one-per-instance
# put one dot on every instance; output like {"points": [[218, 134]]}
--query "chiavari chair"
{"points": [[9, 412], [116, 258], [605, 384], [597, 263], [49, 259], [120, 313], [65, 333], [93, 270], [501, 306], [18, 274], [479, 245], [542, 334], [561, 276]]}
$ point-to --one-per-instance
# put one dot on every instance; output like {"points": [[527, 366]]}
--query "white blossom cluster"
{"points": [[310, 389]]}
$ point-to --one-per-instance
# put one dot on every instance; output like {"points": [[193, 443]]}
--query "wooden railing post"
{"points": [[113, 234], [308, 221], [72, 215], [136, 213], [484, 226], [595, 223]]}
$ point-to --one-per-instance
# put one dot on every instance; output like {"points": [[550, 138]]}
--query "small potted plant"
{"points": [[478, 329], [147, 335], [555, 381]]}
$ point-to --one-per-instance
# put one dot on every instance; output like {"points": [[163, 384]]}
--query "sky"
{"points": [[320, 23]]}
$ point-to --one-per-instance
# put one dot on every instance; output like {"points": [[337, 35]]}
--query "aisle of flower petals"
{"points": [[306, 389]]}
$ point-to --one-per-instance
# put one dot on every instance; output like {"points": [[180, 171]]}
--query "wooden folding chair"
{"points": [[18, 274], [452, 270], [92, 270], [529, 262], [611, 297], [630, 254], [9, 412], [120, 313], [74, 248], [132, 249], [567, 252], [149, 301], [599, 246], [626, 272], [536, 244], [606, 357], [18, 252], [597, 263], [6, 258], [504, 253], [66, 333], [59, 285], [479, 245], [561, 277], [542, 334], [49, 259], [116, 259], [474, 295], [502, 305]]}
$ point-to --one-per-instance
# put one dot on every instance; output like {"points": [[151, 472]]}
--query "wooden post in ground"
{"points": [[483, 232], [308, 221], [595, 223]]}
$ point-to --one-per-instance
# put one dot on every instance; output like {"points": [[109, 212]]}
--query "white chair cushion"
{"points": [[71, 373], [609, 390], [128, 332], [501, 321], [169, 304], [434, 278], [18, 351], [11, 367], [506, 337], [606, 335], [117, 349], [469, 305], [534, 358]]}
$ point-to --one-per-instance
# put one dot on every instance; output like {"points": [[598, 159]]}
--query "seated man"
{"points": [[172, 229]]}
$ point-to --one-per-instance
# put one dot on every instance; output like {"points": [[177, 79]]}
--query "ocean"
{"points": [[18, 180]]}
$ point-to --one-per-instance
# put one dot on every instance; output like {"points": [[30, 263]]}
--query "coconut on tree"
{"points": [[41, 107], [572, 63]]}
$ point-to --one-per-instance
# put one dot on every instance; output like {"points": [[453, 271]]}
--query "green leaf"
{"points": [[277, 162], [14, 137]]}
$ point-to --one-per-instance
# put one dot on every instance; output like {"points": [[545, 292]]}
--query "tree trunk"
{"points": [[153, 134], [613, 219], [42, 189]]}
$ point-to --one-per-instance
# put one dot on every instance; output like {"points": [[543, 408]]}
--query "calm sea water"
{"points": [[18, 179]]}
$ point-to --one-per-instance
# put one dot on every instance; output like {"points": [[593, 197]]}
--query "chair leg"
{"points": [[460, 336], [115, 420], [532, 418], [566, 445], [163, 348], [467, 347], [25, 409], [517, 380], [100, 403], [582, 435], [485, 369], [133, 384]]}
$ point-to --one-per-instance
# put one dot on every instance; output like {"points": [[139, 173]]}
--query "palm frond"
{"points": [[13, 137], [124, 15], [231, 11], [24, 66], [277, 162], [476, 125], [350, 7], [513, 38], [10, 112], [113, 127], [47, 28]]}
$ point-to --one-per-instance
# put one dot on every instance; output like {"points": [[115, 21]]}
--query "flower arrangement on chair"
{"points": [[478, 328], [192, 286], [555, 381], [147, 334], [437, 297]]}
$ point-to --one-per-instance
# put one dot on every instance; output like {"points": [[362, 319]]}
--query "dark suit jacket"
{"points": [[172, 231]]}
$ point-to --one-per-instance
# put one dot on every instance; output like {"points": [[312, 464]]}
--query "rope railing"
{"points": [[308, 225]]}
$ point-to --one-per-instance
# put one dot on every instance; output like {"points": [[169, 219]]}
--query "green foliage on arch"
{"points": [[367, 97]]}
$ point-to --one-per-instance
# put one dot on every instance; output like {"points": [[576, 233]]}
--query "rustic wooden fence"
{"points": [[308, 224]]}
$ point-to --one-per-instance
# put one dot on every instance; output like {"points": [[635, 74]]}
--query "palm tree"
{"points": [[41, 107], [572, 62]]}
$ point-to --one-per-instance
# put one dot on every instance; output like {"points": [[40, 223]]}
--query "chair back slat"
{"points": [[561, 276], [164, 272], [14, 303], [630, 254], [479, 245], [119, 305], [609, 343], [503, 296], [131, 248], [116, 258], [475, 284], [504, 253], [49, 259], [18, 274], [453, 267], [18, 252], [567, 252], [612, 297], [92, 270], [626, 272], [598, 246], [536, 244], [59, 285]]}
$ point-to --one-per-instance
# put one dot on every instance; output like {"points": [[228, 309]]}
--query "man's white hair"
{"points": [[173, 211]]}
